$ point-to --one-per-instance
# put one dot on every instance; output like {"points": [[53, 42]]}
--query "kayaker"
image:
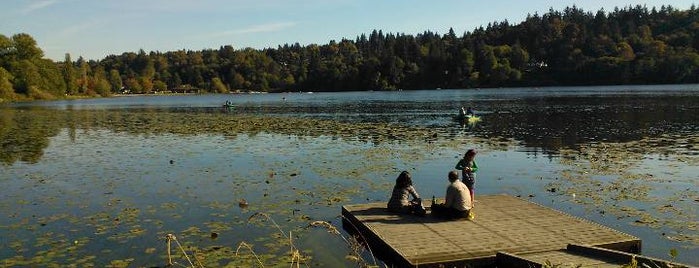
{"points": [[469, 111]]}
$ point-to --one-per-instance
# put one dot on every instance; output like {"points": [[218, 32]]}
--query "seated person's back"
{"points": [[401, 193], [457, 202]]}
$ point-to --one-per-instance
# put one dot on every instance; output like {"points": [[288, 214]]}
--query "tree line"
{"points": [[631, 45]]}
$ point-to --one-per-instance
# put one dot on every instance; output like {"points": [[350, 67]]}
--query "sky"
{"points": [[94, 29]]}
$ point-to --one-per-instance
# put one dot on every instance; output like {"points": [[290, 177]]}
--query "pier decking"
{"points": [[505, 224]]}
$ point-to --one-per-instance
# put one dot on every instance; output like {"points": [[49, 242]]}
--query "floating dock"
{"points": [[507, 232]]}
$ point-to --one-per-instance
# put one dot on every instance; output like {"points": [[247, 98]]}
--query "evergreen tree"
{"points": [[69, 76], [83, 81]]}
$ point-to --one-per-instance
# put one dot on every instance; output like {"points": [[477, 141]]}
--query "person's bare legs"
{"points": [[472, 197]]}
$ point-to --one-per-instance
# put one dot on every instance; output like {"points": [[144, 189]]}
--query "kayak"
{"points": [[467, 118], [473, 118]]}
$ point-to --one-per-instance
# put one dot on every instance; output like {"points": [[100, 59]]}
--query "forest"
{"points": [[630, 45]]}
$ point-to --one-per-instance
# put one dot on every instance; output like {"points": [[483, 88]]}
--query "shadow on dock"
{"points": [[507, 232]]}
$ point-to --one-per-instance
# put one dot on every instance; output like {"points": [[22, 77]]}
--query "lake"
{"points": [[102, 182]]}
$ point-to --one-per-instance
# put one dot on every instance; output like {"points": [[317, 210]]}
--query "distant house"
{"points": [[536, 65]]}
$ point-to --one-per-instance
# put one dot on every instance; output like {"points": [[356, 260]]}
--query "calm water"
{"points": [[102, 181]]}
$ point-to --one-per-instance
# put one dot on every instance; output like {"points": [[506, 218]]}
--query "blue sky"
{"points": [[94, 29]]}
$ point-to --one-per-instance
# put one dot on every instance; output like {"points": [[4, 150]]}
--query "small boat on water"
{"points": [[467, 118], [228, 105]]}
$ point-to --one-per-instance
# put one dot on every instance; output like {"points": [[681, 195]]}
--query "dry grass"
{"points": [[356, 244]]}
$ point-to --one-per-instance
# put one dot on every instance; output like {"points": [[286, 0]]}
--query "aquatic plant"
{"points": [[170, 238], [296, 257], [247, 246], [356, 243], [605, 177]]}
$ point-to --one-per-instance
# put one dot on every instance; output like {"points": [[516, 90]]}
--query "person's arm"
{"points": [[449, 198], [461, 165], [474, 168], [413, 192]]}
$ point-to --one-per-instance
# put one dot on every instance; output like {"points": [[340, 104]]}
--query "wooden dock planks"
{"points": [[503, 224]]}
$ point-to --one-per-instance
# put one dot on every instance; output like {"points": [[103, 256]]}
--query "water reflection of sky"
{"points": [[281, 175], [448, 98], [545, 118]]}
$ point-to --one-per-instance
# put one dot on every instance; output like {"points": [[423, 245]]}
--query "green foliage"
{"points": [[631, 45], [146, 84], [115, 81], [51, 78], [7, 93], [83, 76], [159, 86], [673, 253], [7, 51], [218, 86], [102, 87], [25, 47], [26, 75], [132, 85]]}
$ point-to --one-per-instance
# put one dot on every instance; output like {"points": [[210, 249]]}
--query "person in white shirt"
{"points": [[457, 202]]}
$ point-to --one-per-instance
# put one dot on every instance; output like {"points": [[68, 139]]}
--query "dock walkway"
{"points": [[503, 224]]}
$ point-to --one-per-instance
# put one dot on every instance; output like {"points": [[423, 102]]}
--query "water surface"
{"points": [[101, 182]]}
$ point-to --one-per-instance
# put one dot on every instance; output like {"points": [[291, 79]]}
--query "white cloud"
{"points": [[39, 5]]}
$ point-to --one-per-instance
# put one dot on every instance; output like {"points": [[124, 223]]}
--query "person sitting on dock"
{"points": [[401, 192], [457, 203]]}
